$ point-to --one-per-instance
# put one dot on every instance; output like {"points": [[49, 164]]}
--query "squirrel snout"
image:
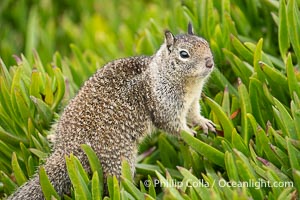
{"points": [[209, 62]]}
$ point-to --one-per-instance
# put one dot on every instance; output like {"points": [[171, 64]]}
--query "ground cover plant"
{"points": [[48, 49]]}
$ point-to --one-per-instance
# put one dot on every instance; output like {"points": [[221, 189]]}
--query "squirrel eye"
{"points": [[184, 54]]}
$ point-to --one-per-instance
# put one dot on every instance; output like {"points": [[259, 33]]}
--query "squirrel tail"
{"points": [[55, 168], [29, 190]]}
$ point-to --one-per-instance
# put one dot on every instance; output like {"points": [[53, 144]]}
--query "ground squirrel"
{"points": [[123, 101]]}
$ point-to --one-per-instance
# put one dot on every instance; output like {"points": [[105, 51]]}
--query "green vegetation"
{"points": [[253, 96]]}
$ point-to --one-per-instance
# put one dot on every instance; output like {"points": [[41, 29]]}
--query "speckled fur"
{"points": [[121, 103]]}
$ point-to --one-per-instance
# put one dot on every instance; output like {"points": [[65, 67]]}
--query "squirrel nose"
{"points": [[209, 62]]}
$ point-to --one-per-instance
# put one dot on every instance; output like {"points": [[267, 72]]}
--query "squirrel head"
{"points": [[187, 55]]}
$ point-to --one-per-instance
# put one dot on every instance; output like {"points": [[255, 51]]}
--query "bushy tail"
{"points": [[29, 190], [55, 168]]}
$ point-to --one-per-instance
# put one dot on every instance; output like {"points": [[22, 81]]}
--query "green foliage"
{"points": [[253, 96]]}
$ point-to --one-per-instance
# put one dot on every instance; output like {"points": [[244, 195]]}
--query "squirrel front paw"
{"points": [[190, 131], [207, 125]]}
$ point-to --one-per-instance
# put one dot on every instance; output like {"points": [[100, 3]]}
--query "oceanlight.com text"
{"points": [[257, 184]]}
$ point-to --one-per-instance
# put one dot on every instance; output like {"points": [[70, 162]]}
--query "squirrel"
{"points": [[123, 102]]}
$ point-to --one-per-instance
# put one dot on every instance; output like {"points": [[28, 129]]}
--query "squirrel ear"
{"points": [[169, 39], [190, 29]]}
